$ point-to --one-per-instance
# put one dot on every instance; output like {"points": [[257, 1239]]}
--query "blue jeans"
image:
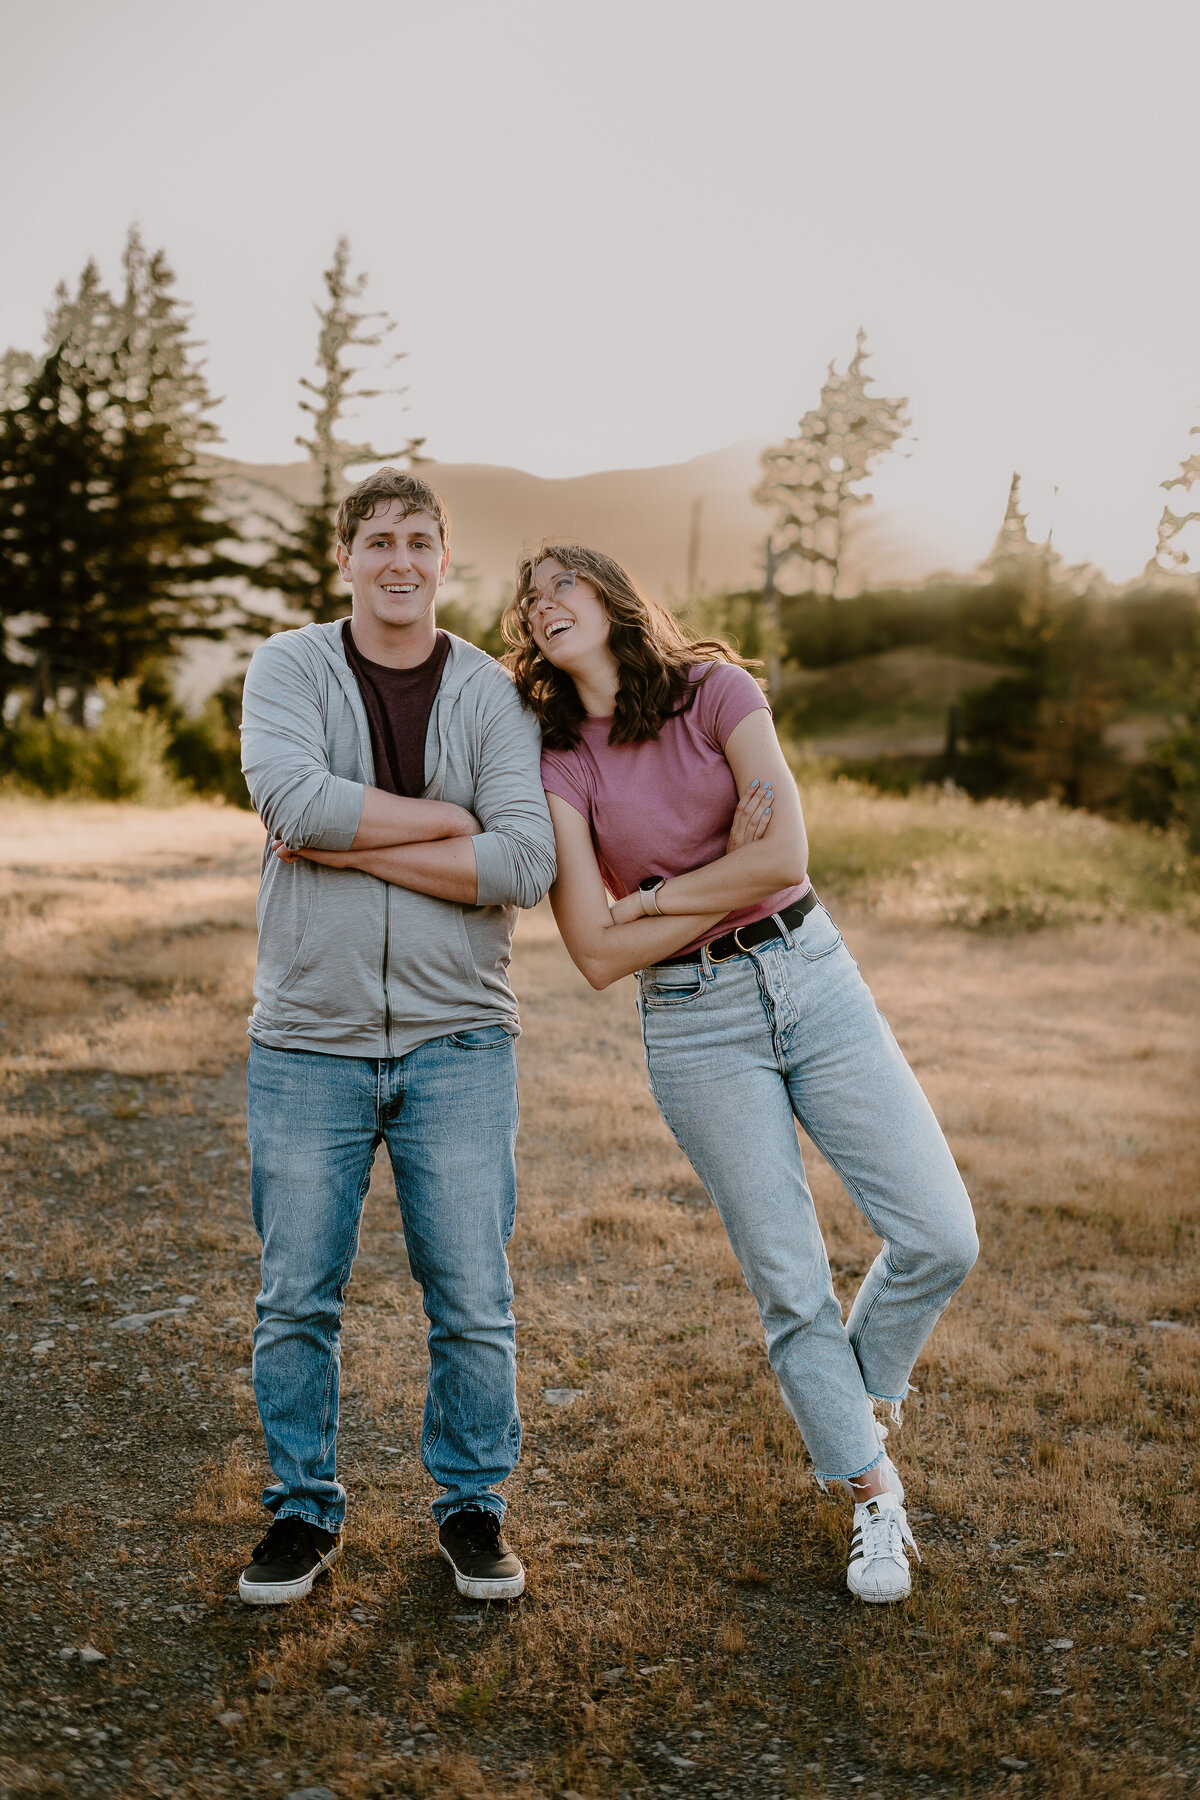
{"points": [[448, 1114], [737, 1051]]}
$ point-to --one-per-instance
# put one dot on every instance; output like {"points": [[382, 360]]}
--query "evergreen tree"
{"points": [[1040, 728], [54, 471], [301, 564], [1166, 787], [17, 368], [1014, 549], [116, 546]]}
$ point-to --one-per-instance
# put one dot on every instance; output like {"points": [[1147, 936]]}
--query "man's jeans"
{"points": [[737, 1052], [448, 1114]]}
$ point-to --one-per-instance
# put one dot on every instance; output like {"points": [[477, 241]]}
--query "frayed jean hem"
{"points": [[444, 1509], [824, 1480], [891, 1402]]}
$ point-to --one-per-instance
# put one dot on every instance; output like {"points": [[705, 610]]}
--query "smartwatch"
{"points": [[648, 888]]}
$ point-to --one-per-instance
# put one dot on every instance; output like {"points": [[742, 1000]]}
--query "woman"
{"points": [[753, 1012]]}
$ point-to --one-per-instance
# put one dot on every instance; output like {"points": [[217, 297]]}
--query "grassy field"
{"points": [[686, 1631]]}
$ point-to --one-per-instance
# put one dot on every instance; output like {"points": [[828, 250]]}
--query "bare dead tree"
{"points": [[813, 480], [301, 562], [1170, 557]]}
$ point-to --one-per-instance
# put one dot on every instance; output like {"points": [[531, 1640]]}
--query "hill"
{"points": [[642, 516]]}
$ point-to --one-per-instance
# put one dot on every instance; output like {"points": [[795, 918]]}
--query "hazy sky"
{"points": [[626, 233]]}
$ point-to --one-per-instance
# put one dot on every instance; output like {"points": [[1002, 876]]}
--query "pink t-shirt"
{"points": [[664, 807]]}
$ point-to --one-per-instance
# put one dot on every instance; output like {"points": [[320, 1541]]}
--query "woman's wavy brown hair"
{"points": [[654, 654]]}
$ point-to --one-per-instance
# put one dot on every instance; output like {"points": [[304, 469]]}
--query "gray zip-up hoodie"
{"points": [[348, 964]]}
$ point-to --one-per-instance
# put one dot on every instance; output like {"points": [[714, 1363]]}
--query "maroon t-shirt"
{"points": [[398, 703]]}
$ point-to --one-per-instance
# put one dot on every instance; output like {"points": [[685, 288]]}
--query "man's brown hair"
{"points": [[379, 490]]}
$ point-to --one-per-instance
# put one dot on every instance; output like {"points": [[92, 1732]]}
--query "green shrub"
{"points": [[940, 858], [44, 754], [125, 754], [891, 774], [1165, 788], [205, 751], [122, 757]]}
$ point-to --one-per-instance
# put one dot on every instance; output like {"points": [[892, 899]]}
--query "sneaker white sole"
{"points": [[874, 1599], [510, 1589], [279, 1593]]}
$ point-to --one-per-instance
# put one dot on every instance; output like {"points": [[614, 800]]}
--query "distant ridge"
{"points": [[643, 517]]}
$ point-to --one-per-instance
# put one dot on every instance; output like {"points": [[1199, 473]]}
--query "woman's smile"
{"points": [[565, 607]]}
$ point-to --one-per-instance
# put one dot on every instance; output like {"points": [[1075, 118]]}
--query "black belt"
{"points": [[747, 936]]}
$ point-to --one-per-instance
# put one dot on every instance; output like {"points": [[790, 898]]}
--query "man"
{"points": [[397, 775]]}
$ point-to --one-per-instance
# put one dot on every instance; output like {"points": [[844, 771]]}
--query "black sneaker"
{"points": [[285, 1564], [484, 1566]]}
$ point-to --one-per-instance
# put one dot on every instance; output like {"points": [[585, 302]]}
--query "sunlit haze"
{"points": [[620, 235]]}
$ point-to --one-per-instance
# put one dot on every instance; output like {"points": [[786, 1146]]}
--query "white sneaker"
{"points": [[878, 1570]]}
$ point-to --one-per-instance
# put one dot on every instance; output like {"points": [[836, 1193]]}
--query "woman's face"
{"points": [[566, 616]]}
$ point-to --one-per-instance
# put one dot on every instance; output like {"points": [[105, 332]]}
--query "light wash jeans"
{"points": [[737, 1051], [448, 1114]]}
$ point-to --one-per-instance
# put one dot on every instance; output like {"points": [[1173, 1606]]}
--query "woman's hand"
{"points": [[625, 911], [750, 821], [752, 817]]}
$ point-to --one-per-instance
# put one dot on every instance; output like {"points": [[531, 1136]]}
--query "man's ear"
{"points": [[444, 565], [343, 561]]}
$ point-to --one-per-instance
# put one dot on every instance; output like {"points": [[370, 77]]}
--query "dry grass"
{"points": [[935, 858], [128, 945], [686, 1592]]}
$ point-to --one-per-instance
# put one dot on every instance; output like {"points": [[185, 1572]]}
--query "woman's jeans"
{"points": [[448, 1114], [738, 1051]]}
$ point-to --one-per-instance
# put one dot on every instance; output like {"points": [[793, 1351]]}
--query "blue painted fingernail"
{"points": [[767, 814], [753, 785]]}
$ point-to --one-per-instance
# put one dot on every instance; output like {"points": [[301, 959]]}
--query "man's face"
{"points": [[395, 566]]}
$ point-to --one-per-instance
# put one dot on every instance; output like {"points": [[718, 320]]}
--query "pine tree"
{"points": [[302, 565], [1013, 542], [54, 471], [116, 546], [171, 542], [1017, 560]]}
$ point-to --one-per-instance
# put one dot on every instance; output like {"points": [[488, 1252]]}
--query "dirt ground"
{"points": [[686, 1629]]}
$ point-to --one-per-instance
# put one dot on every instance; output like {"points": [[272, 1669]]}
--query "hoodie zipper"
{"points": [[387, 1005], [356, 700]]}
